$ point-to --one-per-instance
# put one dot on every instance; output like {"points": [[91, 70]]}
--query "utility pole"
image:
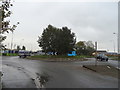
{"points": [[116, 37], [12, 41], [96, 53], [14, 26], [118, 40], [118, 43], [119, 30], [113, 45]]}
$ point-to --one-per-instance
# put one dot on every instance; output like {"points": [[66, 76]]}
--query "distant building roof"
{"points": [[101, 51]]}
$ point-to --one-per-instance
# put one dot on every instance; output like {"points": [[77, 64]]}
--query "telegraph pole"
{"points": [[96, 53]]}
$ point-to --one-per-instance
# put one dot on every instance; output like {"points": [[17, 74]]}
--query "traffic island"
{"points": [[57, 58], [104, 70]]}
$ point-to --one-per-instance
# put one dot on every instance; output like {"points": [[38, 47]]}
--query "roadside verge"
{"points": [[104, 70], [58, 58]]}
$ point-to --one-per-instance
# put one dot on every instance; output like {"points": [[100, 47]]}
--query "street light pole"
{"points": [[118, 44], [118, 39], [113, 45], [13, 28], [119, 30], [96, 53], [12, 41]]}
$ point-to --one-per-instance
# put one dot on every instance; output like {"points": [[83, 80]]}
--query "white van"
{"points": [[23, 53]]}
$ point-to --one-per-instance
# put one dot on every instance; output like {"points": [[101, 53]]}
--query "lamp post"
{"points": [[118, 44], [119, 30], [96, 53], [12, 41], [118, 39], [13, 28], [113, 45]]}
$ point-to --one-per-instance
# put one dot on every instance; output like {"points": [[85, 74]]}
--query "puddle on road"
{"points": [[43, 78], [20, 68]]}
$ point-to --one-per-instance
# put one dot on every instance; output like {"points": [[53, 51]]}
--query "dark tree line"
{"points": [[84, 48], [62, 40], [57, 40]]}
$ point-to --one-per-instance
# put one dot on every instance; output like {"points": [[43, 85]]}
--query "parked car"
{"points": [[102, 57]]}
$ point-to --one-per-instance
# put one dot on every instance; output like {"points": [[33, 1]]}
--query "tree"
{"points": [[80, 47], [60, 40], [84, 48], [18, 48], [5, 12], [89, 47], [89, 44], [23, 48]]}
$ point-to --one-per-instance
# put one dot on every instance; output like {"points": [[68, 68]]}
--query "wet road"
{"points": [[23, 73]]}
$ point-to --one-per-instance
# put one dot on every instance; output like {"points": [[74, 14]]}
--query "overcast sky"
{"points": [[94, 21]]}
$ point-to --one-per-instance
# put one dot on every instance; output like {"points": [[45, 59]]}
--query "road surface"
{"points": [[24, 73]]}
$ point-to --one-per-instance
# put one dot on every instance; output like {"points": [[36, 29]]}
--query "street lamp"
{"points": [[118, 30], [118, 39], [113, 45], [13, 28], [12, 41]]}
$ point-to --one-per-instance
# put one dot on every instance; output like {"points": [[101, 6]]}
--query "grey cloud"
{"points": [[90, 21]]}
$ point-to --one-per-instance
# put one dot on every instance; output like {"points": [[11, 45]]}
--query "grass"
{"points": [[114, 57], [104, 70], [10, 54], [58, 58]]}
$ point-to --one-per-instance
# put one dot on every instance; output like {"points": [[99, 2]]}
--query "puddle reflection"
{"points": [[43, 78]]}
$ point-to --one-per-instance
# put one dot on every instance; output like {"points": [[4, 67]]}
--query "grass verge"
{"points": [[114, 58], [10, 54], [104, 70], [58, 58]]}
